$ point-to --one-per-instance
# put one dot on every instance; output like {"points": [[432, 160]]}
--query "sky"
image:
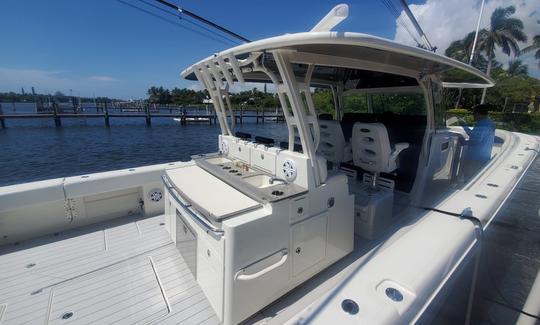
{"points": [[108, 48]]}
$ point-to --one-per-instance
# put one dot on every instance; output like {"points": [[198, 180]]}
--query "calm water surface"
{"points": [[36, 150]]}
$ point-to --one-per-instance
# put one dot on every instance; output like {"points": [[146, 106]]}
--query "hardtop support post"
{"points": [[301, 121]]}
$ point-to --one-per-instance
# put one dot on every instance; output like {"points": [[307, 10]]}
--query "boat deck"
{"points": [[126, 270]]}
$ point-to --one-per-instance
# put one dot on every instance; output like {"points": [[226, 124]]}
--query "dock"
{"points": [[146, 112]]}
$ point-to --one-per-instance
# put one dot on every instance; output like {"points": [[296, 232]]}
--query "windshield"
{"points": [[401, 104]]}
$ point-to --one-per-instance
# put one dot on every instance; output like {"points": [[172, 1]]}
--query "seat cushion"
{"points": [[371, 147]]}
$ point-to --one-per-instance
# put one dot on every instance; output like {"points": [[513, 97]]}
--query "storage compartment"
{"points": [[210, 272], [372, 211], [308, 243], [186, 243], [264, 158], [112, 204], [239, 150]]}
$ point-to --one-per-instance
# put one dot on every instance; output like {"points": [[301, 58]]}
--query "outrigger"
{"points": [[360, 216]]}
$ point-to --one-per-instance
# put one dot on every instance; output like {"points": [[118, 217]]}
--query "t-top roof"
{"points": [[343, 49]]}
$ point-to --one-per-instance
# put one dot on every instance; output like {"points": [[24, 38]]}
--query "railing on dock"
{"points": [[148, 112]]}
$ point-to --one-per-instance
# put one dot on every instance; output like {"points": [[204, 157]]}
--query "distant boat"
{"points": [[192, 119]]}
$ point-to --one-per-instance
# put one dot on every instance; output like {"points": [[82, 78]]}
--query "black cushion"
{"points": [[264, 140], [243, 135], [285, 145]]}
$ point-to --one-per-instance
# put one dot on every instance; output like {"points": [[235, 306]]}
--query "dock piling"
{"points": [[148, 118], [57, 119], [2, 121], [107, 122]]}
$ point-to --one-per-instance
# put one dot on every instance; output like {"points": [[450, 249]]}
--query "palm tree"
{"points": [[534, 46], [461, 49], [505, 32], [516, 68]]}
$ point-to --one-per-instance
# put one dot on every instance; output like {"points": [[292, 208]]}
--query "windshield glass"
{"points": [[401, 104]]}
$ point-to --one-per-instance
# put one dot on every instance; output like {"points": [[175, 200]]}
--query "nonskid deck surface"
{"points": [[122, 271]]}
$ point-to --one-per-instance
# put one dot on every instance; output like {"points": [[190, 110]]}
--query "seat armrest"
{"points": [[398, 148], [347, 153]]}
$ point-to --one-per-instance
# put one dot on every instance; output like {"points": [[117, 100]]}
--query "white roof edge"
{"points": [[464, 85], [345, 38], [397, 90]]}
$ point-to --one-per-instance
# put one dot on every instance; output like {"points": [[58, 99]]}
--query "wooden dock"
{"points": [[147, 113]]}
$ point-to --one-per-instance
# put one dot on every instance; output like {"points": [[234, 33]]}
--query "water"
{"points": [[33, 149]]}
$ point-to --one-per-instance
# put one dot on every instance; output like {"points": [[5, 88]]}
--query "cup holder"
{"points": [[277, 193]]}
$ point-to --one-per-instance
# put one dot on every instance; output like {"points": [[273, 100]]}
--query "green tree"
{"points": [[159, 95], [461, 49], [534, 46], [323, 100], [505, 32], [516, 68]]}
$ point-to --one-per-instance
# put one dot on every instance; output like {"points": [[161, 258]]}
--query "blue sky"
{"points": [[106, 48]]}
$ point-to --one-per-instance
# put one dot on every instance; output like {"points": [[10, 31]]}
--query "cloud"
{"points": [[103, 78], [446, 21]]}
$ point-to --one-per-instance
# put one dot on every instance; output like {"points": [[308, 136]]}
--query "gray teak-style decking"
{"points": [[122, 271]]}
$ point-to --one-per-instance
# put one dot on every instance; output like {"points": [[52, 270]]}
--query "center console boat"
{"points": [[362, 216]]}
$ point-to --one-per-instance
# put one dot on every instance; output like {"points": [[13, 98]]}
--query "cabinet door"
{"points": [[186, 243], [309, 242]]}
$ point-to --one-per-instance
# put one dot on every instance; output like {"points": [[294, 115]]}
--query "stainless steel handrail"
{"points": [[208, 228]]}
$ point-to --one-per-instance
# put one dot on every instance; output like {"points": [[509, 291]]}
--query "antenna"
{"points": [[417, 26], [476, 34], [203, 20], [335, 16]]}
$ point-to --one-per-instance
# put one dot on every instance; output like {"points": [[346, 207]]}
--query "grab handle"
{"points": [[247, 277]]}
